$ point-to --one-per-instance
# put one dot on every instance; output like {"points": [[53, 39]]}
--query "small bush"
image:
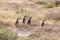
{"points": [[49, 5], [24, 12], [41, 2], [56, 2], [6, 34]]}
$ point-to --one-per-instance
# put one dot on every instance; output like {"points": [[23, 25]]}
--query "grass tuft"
{"points": [[49, 5]]}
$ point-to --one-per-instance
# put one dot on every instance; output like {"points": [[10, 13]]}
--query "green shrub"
{"points": [[49, 5], [41, 2], [24, 11], [6, 34], [20, 11]]}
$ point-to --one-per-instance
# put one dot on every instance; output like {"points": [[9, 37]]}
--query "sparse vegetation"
{"points": [[6, 34], [7, 16], [23, 11], [49, 5], [53, 16], [41, 2], [46, 4], [35, 8]]}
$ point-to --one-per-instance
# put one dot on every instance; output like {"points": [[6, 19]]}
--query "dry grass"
{"points": [[37, 12], [7, 16], [53, 16]]}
